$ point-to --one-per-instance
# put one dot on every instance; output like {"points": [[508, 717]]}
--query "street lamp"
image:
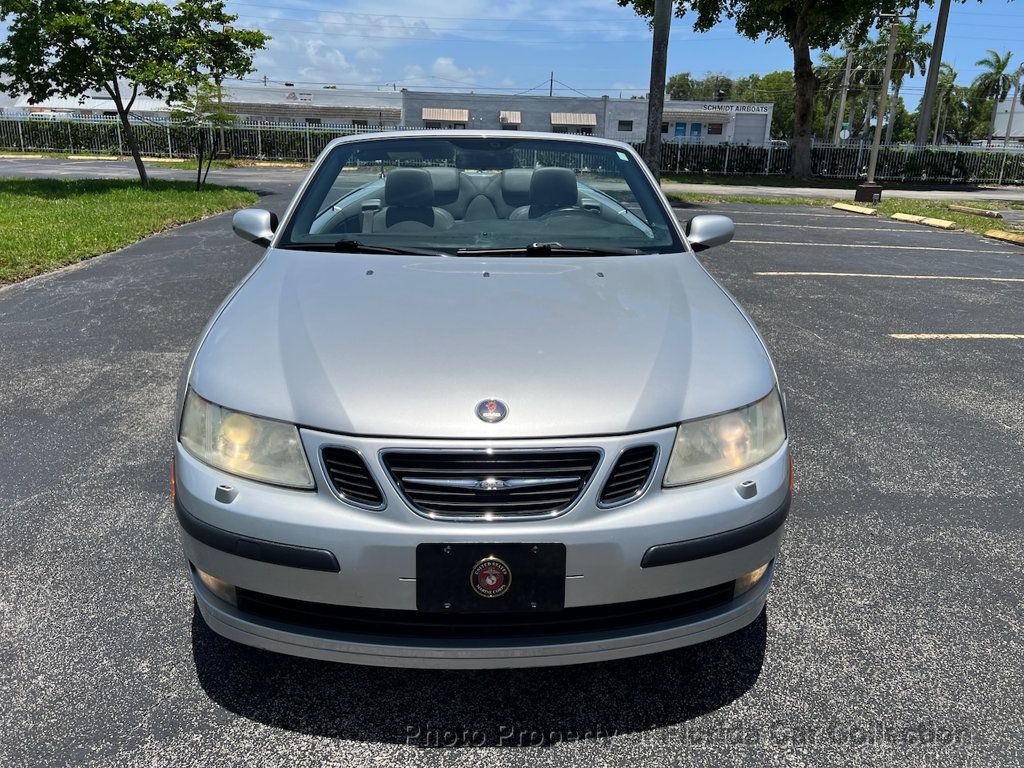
{"points": [[870, 191]]}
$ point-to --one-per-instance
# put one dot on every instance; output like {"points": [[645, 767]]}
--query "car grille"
{"points": [[629, 476], [417, 625], [491, 484], [350, 477]]}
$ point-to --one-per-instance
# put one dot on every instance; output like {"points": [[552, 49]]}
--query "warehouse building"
{"points": [[621, 119]]}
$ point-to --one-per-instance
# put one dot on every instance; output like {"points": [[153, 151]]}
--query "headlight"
{"points": [[729, 442], [260, 449]]}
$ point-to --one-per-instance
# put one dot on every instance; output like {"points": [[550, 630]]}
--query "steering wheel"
{"points": [[571, 210]]}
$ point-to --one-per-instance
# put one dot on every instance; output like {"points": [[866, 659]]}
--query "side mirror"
{"points": [[708, 230], [255, 225]]}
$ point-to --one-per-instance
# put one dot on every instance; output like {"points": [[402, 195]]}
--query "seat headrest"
{"points": [[552, 188], [409, 188], [515, 186], [446, 185]]}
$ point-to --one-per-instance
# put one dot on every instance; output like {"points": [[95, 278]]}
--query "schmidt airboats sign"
{"points": [[745, 108]]}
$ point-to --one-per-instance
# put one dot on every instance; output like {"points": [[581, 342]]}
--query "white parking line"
{"points": [[891, 277], [867, 245], [911, 230], [956, 336]]}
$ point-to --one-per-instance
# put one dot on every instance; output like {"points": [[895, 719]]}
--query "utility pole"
{"points": [[869, 191], [656, 94], [551, 85], [931, 84], [842, 93]]}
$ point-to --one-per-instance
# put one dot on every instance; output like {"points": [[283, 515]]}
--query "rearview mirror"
{"points": [[255, 225], [708, 230]]}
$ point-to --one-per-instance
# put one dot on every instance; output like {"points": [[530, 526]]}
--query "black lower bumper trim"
{"points": [[404, 625], [256, 549], [718, 543]]}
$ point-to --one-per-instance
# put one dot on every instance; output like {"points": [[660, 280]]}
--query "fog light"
{"points": [[221, 589], [748, 581]]}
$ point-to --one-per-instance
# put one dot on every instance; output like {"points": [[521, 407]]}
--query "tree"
{"points": [[122, 47], [803, 24], [200, 110], [910, 58], [994, 83], [685, 87]]}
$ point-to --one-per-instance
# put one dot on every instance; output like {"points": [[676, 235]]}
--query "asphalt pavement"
{"points": [[894, 634]]}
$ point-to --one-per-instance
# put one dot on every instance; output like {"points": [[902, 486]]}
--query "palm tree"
{"points": [[946, 89], [995, 83], [910, 58]]}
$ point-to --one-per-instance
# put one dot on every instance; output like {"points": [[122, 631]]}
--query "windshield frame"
{"points": [[675, 228]]}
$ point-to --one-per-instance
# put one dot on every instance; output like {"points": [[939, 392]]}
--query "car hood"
{"points": [[408, 346]]}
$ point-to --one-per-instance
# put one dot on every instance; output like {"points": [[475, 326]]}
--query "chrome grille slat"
{"points": [[541, 482], [630, 474], [350, 477]]}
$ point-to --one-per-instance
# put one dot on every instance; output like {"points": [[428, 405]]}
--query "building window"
{"points": [[432, 124], [714, 129], [509, 127], [695, 129], [359, 124], [625, 125], [559, 129], [312, 121], [680, 130], [664, 127], [459, 126]]}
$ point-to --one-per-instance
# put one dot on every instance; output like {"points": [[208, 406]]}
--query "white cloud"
{"points": [[444, 67], [369, 54]]}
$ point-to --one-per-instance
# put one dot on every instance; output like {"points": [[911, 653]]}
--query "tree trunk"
{"points": [[200, 141], [804, 86], [992, 122], [128, 130], [892, 112], [656, 95], [931, 85]]}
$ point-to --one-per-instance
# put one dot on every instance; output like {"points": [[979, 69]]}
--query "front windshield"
{"points": [[459, 196]]}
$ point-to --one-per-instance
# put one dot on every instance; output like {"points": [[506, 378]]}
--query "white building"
{"points": [[1003, 119]]}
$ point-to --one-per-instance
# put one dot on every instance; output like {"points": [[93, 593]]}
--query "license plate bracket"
{"points": [[490, 578]]}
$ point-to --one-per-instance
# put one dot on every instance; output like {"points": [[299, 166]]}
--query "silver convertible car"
{"points": [[479, 405]]}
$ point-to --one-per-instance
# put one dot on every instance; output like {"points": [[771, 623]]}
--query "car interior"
{"points": [[439, 198]]}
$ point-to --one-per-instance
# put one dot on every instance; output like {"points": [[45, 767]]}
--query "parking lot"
{"points": [[894, 633]]}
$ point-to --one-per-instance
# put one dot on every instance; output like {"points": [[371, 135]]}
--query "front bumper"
{"points": [[691, 529]]}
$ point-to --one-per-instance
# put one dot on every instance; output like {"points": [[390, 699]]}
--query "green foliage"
{"points": [[803, 24], [122, 47], [685, 87]]}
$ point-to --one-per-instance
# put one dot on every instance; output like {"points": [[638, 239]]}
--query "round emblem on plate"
{"points": [[491, 577], [491, 410]]}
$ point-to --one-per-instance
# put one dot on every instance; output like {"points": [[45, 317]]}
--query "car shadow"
{"points": [[458, 708]]}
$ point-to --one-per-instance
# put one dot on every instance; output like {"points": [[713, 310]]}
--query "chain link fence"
{"points": [[302, 143]]}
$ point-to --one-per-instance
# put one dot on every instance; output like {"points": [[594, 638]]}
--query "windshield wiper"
{"points": [[356, 246], [547, 249]]}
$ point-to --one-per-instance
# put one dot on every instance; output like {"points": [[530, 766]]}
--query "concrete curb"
{"points": [[976, 211], [927, 221], [1006, 237], [855, 209]]}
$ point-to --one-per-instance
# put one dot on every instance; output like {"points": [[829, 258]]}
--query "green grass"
{"points": [[886, 207], [49, 223]]}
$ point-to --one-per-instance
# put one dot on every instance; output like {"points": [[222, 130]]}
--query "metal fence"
{"points": [[302, 143], [949, 164]]}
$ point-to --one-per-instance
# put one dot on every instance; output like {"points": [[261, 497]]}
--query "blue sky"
{"points": [[593, 46]]}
